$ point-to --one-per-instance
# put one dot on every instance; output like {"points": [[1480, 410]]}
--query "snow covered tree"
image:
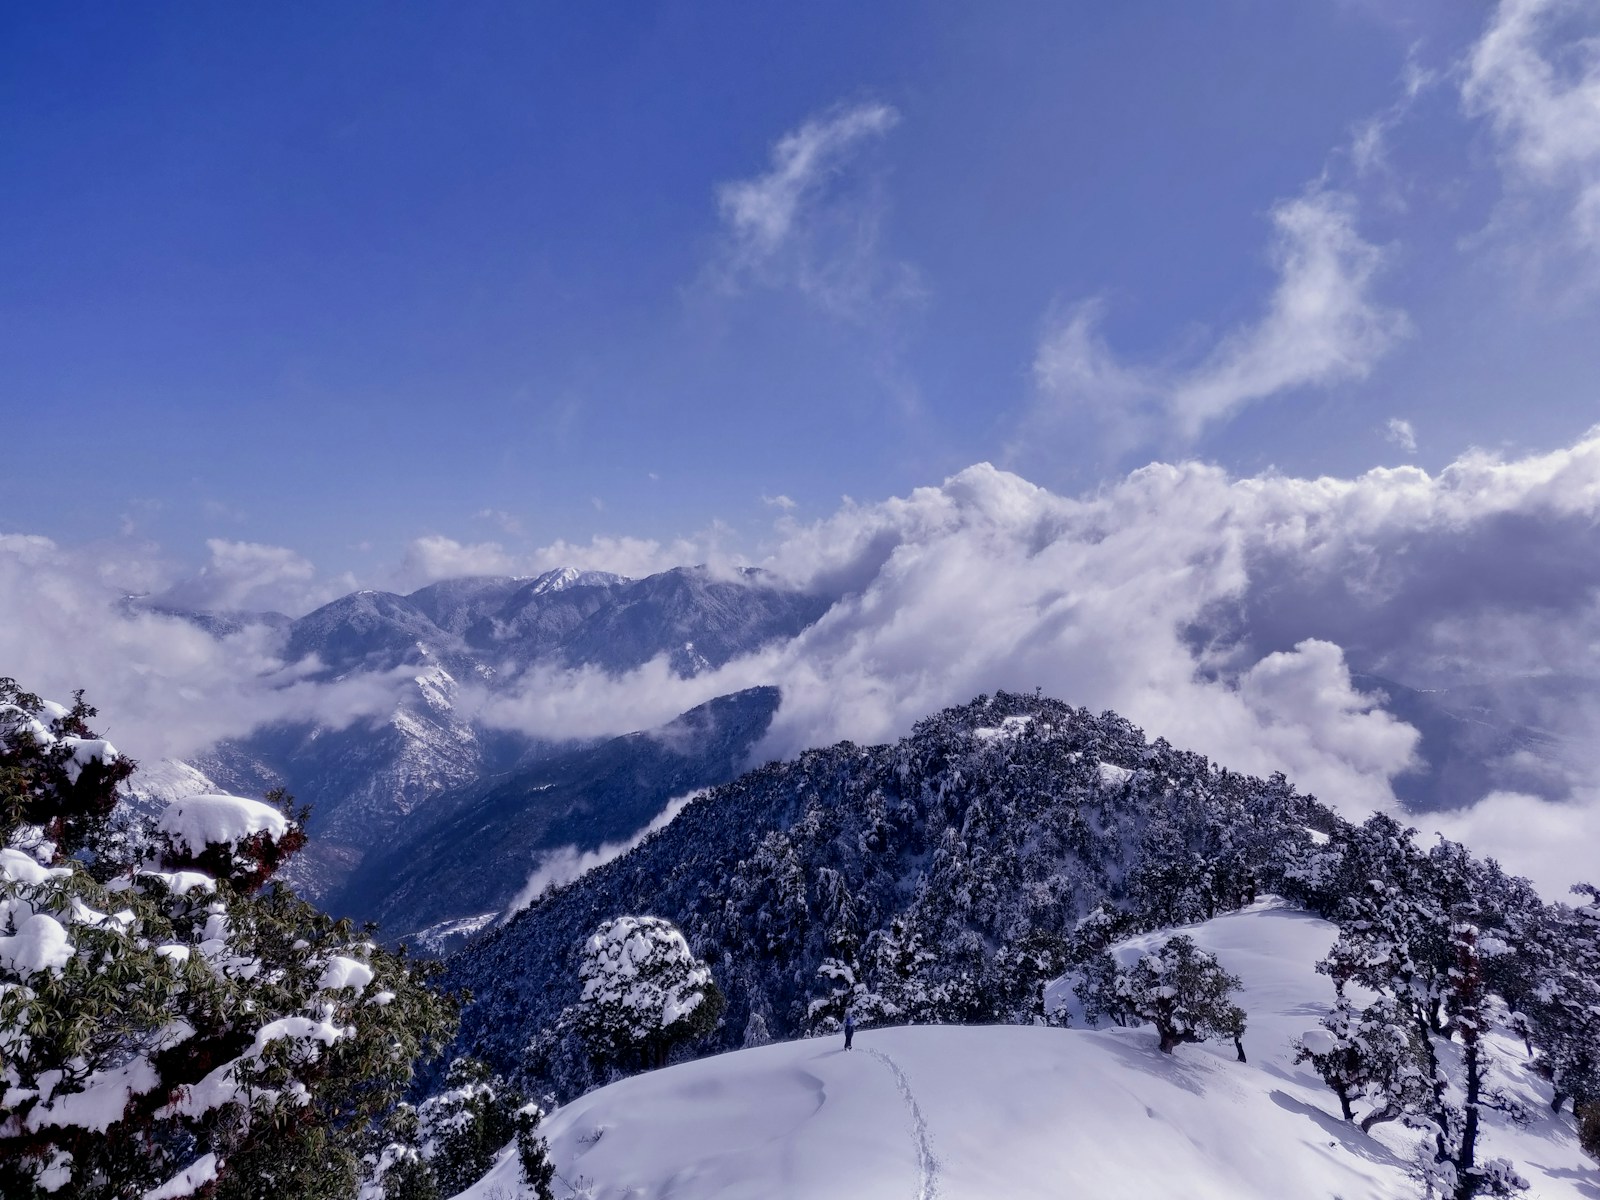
{"points": [[1184, 992], [1371, 1057], [55, 774], [755, 1030], [463, 1127], [1097, 990], [1565, 1009], [168, 1029], [644, 992], [1412, 933]]}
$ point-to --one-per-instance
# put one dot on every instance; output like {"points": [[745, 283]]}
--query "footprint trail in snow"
{"points": [[927, 1164]]}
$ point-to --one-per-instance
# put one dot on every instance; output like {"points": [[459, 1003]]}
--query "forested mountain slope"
{"points": [[942, 874]]}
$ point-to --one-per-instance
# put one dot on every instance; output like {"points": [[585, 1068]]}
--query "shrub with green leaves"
{"points": [[170, 1019]]}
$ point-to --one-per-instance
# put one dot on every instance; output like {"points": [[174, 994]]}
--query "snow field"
{"points": [[1016, 1112]]}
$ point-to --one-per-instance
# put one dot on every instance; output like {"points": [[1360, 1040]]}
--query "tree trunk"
{"points": [[1466, 1157], [1378, 1116]]}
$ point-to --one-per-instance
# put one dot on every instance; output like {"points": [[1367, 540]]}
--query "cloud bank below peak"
{"points": [[1271, 622]]}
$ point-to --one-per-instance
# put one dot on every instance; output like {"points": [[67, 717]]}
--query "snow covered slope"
{"points": [[1012, 1111]]}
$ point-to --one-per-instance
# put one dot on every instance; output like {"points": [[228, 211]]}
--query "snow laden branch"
{"points": [[170, 1024]]}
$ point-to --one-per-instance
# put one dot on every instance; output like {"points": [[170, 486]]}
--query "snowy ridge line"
{"points": [[927, 1164]]}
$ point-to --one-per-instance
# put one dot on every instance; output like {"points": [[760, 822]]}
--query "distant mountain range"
{"points": [[369, 782]]}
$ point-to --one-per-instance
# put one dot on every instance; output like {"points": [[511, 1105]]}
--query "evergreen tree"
{"points": [[1368, 1056], [1184, 992], [644, 992]]}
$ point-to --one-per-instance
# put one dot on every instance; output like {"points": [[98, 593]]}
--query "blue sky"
{"points": [[334, 279]]}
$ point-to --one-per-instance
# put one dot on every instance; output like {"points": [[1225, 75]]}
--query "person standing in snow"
{"points": [[849, 1027]]}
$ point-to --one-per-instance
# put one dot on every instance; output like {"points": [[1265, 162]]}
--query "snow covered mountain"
{"points": [[474, 848], [979, 1112], [943, 874], [366, 780]]}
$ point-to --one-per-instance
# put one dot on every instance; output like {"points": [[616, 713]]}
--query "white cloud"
{"points": [[1551, 843], [1321, 327], [1225, 614], [433, 557], [763, 213], [1399, 431], [1221, 613], [800, 224], [165, 687], [1369, 138], [565, 863], [779, 501], [507, 522], [255, 577], [1535, 77]]}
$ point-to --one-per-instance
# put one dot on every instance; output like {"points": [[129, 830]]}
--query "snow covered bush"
{"points": [[1370, 1056], [56, 776], [644, 992], [1589, 1128], [448, 1142], [166, 1028], [1183, 991]]}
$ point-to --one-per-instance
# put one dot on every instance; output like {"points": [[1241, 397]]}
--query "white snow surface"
{"points": [[342, 972], [39, 945], [1014, 1111], [187, 1181], [214, 819]]}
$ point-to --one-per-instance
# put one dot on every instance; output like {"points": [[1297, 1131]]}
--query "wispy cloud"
{"points": [[811, 223], [1399, 431], [1321, 326], [1534, 76], [507, 522], [565, 863]]}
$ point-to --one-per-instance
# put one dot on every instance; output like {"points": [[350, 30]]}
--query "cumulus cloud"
{"points": [[1230, 615], [166, 688], [1551, 843], [255, 577], [433, 557], [1352, 633], [1534, 76], [800, 224], [1321, 327]]}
